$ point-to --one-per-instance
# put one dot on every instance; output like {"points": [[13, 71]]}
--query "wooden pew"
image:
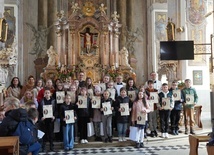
{"points": [[9, 145], [194, 140]]}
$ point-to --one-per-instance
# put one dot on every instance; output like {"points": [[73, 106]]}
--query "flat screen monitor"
{"points": [[177, 50]]}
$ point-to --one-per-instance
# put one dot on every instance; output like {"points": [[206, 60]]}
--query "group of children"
{"points": [[118, 95]]}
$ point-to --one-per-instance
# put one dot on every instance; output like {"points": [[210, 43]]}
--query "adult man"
{"points": [[189, 108], [81, 79], [119, 83], [157, 83]]}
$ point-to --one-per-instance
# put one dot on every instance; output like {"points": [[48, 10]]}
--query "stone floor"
{"points": [[174, 145]]}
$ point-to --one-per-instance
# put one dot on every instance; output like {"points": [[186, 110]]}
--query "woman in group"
{"points": [[38, 87], [139, 106], [28, 96], [14, 90], [29, 86]]}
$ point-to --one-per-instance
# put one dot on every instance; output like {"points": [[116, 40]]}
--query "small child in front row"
{"points": [[165, 113], [47, 124], [122, 121], [84, 116], [97, 118], [107, 119], [139, 106], [68, 129]]}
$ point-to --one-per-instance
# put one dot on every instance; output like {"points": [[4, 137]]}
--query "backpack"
{"points": [[25, 133]]}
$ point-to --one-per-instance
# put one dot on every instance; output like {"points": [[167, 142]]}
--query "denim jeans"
{"points": [[68, 136], [34, 149], [121, 128]]}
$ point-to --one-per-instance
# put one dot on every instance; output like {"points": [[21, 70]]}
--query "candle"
{"points": [[1, 99], [65, 59]]}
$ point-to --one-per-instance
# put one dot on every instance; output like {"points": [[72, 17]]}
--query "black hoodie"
{"points": [[10, 122]]}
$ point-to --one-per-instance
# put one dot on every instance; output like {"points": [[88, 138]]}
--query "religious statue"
{"points": [[115, 16], [61, 15], [123, 57], [53, 57], [75, 7], [88, 42], [170, 28], [102, 9], [39, 39]]}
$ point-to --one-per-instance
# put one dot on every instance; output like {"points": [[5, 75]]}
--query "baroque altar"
{"points": [[88, 41]]}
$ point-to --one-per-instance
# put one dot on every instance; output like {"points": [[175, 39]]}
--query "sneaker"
{"points": [[106, 140], [86, 141], [141, 145], [173, 132], [156, 133], [137, 145], [120, 139], [82, 141], [124, 139], [163, 135], [176, 132], [192, 132], [186, 131], [66, 149], [166, 135], [152, 134], [110, 139]]}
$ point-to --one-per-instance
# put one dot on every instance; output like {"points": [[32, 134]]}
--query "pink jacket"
{"points": [[138, 106]]}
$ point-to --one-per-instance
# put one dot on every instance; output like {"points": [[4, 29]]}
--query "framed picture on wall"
{"points": [[197, 77]]}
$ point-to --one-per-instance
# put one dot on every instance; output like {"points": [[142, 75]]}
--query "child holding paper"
{"points": [[107, 119], [176, 111], [97, 116], [189, 108], [47, 124], [68, 129], [165, 113], [139, 106], [84, 115], [122, 121]]}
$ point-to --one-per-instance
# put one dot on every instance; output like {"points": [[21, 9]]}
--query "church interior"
{"points": [[59, 38]]}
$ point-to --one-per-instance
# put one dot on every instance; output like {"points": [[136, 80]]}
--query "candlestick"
{"points": [[65, 59]]}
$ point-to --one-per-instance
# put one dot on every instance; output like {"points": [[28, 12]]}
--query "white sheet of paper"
{"points": [[69, 115], [47, 111], [90, 93], [177, 95], [112, 91], [124, 109], [189, 99], [95, 102], [102, 86], [154, 97], [73, 96], [60, 95], [40, 134], [118, 87], [82, 102], [166, 103], [151, 104], [132, 95], [141, 118], [106, 108]]}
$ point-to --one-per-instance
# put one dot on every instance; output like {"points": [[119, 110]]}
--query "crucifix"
{"points": [[89, 39]]}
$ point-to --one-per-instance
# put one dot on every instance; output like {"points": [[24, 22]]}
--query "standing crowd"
{"points": [[120, 106]]}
